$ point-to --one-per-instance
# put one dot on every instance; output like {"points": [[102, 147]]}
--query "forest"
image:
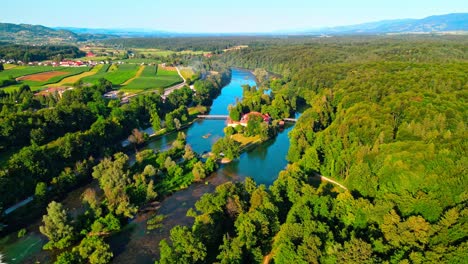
{"points": [[28, 53], [387, 119]]}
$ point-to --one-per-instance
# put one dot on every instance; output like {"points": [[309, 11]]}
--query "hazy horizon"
{"points": [[210, 16]]}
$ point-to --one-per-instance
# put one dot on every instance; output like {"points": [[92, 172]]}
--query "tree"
{"points": [[234, 113], [155, 121], [57, 227], [41, 191], [1, 67], [113, 179], [226, 147], [186, 248], [95, 250], [136, 138], [198, 171]]}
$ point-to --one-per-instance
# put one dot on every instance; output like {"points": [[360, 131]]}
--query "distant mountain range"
{"points": [[36, 34], [431, 24]]}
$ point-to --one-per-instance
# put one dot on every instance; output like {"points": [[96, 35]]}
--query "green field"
{"points": [[100, 74], [146, 80], [166, 78], [118, 74], [149, 79]]}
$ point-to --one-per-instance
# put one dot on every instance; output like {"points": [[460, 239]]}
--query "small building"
{"points": [[53, 90], [90, 54]]}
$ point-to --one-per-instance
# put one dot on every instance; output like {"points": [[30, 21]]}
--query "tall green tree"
{"points": [[57, 227]]}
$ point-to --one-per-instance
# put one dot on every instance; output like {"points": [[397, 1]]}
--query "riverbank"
{"points": [[135, 244]]}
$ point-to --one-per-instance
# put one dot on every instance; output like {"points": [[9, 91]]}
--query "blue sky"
{"points": [[219, 15]]}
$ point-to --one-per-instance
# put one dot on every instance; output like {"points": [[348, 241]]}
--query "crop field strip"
{"points": [[20, 71], [100, 74], [41, 77], [146, 80], [118, 74], [73, 79], [165, 78], [69, 71], [138, 74]]}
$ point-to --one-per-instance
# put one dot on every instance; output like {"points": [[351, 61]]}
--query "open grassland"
{"points": [[75, 78], [118, 74], [101, 73]]}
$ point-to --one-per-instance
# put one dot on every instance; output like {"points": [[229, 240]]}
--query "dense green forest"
{"points": [[27, 53], [387, 119]]}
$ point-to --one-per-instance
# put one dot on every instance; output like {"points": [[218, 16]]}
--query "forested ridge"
{"points": [[387, 119]]}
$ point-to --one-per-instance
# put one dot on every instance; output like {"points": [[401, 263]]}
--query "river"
{"points": [[134, 244]]}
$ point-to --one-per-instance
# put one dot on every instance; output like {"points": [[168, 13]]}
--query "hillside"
{"points": [[37, 34], [440, 23]]}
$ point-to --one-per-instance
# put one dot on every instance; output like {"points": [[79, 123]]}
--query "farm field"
{"points": [[19, 71], [73, 79], [153, 79], [101, 73], [54, 76], [138, 74], [118, 74], [38, 76], [146, 80], [165, 78], [41, 77]]}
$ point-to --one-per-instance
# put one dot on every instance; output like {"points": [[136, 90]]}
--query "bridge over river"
{"points": [[224, 117]]}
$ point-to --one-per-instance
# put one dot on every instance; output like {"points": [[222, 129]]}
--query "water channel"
{"points": [[134, 244]]}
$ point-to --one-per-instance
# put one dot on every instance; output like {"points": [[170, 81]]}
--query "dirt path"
{"points": [[266, 259], [138, 74], [323, 178]]}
